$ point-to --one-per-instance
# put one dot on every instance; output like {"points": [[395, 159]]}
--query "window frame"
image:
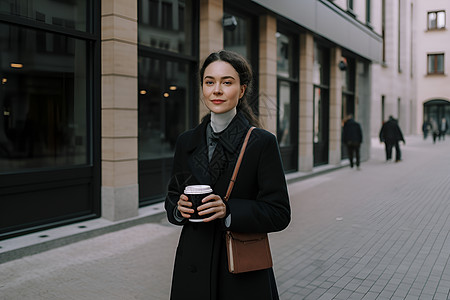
{"points": [[435, 63], [436, 13]]}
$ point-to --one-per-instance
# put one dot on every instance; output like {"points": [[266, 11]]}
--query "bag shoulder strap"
{"points": [[238, 164]]}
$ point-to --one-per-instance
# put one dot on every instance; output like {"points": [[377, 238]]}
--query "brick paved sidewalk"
{"points": [[378, 233]]}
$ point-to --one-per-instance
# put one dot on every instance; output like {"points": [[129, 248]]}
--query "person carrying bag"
{"points": [[206, 158]]}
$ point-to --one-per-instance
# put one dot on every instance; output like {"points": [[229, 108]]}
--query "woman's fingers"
{"points": [[213, 205], [184, 206]]}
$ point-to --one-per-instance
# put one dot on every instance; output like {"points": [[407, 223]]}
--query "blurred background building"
{"points": [[410, 83], [93, 94], [431, 43]]}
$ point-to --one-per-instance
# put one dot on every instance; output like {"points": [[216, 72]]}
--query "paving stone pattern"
{"points": [[378, 233]]}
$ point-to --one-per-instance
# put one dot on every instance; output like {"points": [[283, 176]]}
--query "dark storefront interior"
{"points": [[49, 117]]}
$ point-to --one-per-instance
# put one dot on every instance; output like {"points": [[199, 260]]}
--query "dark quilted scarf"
{"points": [[228, 143]]}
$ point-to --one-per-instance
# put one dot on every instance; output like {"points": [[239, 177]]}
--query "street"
{"points": [[378, 233]]}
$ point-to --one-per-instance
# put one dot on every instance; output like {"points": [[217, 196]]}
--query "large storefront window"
{"points": [[42, 100], [287, 100], [49, 114], [167, 35], [163, 106]]}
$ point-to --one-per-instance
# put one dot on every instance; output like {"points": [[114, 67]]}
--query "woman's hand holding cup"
{"points": [[184, 206], [213, 206], [199, 204]]}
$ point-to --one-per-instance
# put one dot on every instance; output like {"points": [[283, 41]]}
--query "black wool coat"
{"points": [[390, 132], [259, 202], [352, 132]]}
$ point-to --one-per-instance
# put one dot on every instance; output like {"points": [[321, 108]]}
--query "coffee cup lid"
{"points": [[197, 189]]}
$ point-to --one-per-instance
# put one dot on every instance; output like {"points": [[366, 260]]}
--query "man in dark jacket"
{"points": [[352, 138], [391, 135]]}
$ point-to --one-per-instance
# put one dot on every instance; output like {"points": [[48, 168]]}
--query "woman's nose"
{"points": [[217, 89]]}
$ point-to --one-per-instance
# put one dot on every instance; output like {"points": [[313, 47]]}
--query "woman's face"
{"points": [[221, 87]]}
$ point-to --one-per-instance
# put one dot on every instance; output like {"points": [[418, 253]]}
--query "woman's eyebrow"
{"points": [[223, 77]]}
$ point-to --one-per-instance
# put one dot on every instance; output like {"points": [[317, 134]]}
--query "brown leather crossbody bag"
{"points": [[246, 251]]}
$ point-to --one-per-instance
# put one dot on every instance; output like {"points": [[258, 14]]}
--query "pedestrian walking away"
{"points": [[259, 201], [426, 126], [352, 138], [391, 135], [443, 127], [434, 129]]}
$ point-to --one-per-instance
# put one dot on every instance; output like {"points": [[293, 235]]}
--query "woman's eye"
{"points": [[208, 82], [227, 82]]}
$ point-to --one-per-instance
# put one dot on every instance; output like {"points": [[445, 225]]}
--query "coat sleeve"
{"points": [[176, 185], [400, 134], [270, 211], [382, 133], [360, 134]]}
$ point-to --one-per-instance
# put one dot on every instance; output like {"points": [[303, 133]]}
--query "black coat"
{"points": [[259, 202], [352, 133], [390, 132]]}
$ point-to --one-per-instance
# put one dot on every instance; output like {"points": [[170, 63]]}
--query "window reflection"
{"points": [[320, 71], [321, 80], [166, 25], [436, 20], [163, 106], [239, 39], [284, 54], [435, 63], [317, 116], [42, 101], [67, 14], [284, 113]]}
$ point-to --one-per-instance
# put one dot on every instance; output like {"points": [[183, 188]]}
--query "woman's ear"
{"points": [[243, 88]]}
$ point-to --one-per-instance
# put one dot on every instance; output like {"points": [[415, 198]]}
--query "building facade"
{"points": [[393, 92], [410, 82], [94, 95], [432, 62]]}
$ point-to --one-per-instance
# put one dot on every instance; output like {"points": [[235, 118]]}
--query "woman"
{"points": [[259, 201]]}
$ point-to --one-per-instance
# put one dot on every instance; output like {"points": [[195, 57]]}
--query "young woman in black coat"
{"points": [[259, 201]]}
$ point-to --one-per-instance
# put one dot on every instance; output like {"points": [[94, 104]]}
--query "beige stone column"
{"points": [[306, 107], [120, 194], [335, 107], [268, 72], [211, 34]]}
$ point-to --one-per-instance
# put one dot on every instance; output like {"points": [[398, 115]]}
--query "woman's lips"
{"points": [[217, 101]]}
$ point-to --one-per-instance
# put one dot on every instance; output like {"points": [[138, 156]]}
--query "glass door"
{"points": [[321, 126], [287, 99], [321, 80], [164, 113], [167, 101]]}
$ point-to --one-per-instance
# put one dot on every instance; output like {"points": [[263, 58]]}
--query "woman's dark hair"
{"points": [[242, 67]]}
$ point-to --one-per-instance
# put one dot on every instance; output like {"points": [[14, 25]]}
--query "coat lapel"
{"points": [[222, 163]]}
